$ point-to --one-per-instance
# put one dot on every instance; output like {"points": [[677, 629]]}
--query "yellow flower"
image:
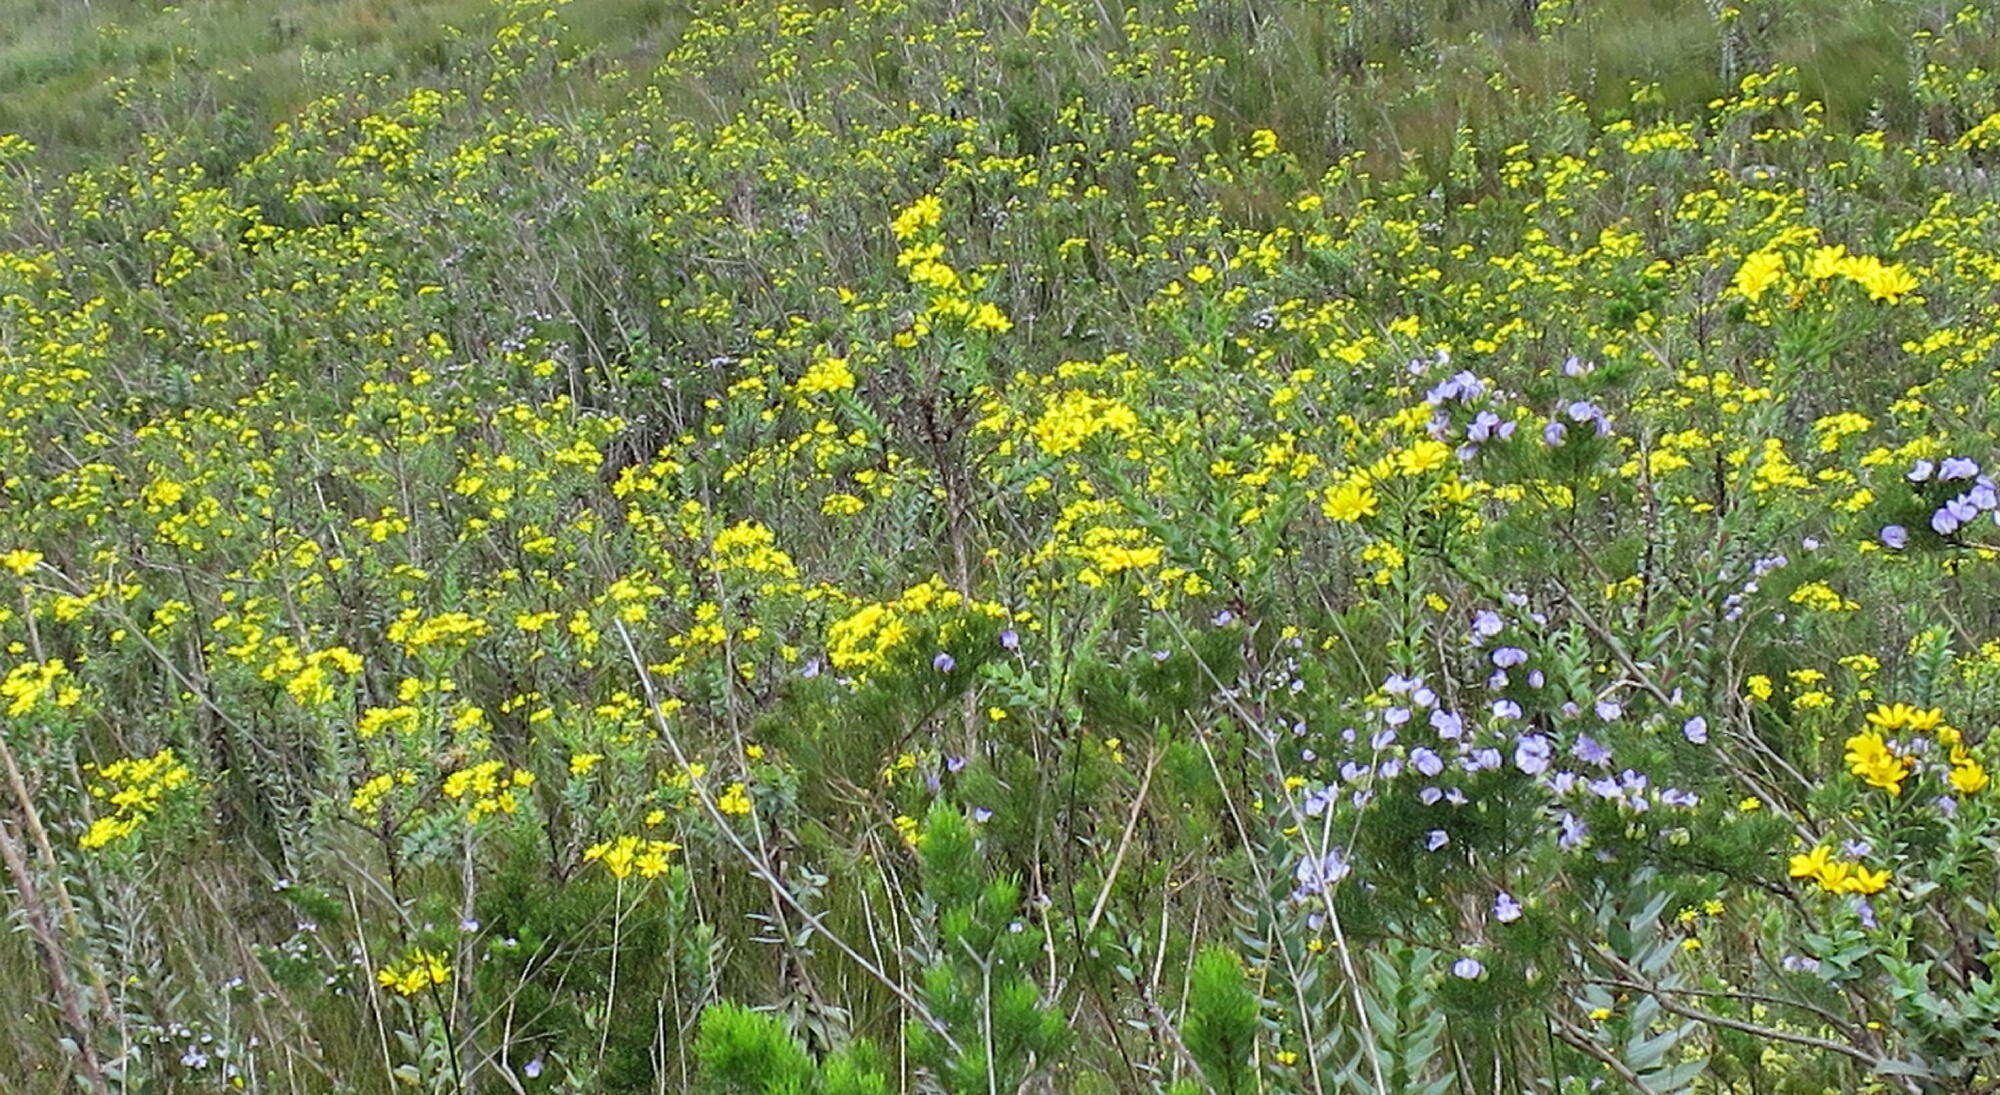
{"points": [[829, 374], [1890, 718], [1968, 777], [735, 801], [1811, 864], [1874, 763], [582, 763], [1425, 455], [924, 213], [1351, 501], [1757, 274], [20, 561], [419, 970], [628, 855], [1884, 281]]}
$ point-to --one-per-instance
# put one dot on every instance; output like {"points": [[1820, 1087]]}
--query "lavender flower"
{"points": [[1532, 753], [1426, 762]]}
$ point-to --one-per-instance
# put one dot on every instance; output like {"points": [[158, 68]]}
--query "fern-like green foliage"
{"points": [[1221, 1025], [992, 1029], [746, 1052]]}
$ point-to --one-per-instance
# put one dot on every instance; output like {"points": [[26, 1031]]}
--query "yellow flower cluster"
{"points": [[1871, 761], [865, 639], [1837, 875], [27, 685], [419, 970], [135, 788], [487, 788], [629, 855], [1073, 418]]}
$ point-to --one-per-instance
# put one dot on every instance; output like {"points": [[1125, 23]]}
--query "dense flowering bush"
{"points": [[904, 546]]}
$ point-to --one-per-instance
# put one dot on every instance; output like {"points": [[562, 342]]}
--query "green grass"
{"points": [[251, 62]]}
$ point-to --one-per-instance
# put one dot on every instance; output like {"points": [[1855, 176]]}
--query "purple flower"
{"points": [[981, 814], [1571, 832], [1382, 740], [1396, 716], [1695, 730], [1590, 751], [1468, 969], [1010, 639], [1507, 657], [1435, 839], [1506, 709], [1447, 724], [1957, 467], [1553, 433], [1920, 471], [1674, 796], [810, 669], [944, 663], [1487, 623], [1314, 875], [1426, 761], [1532, 753], [1895, 537], [954, 764], [1505, 909], [1609, 710]]}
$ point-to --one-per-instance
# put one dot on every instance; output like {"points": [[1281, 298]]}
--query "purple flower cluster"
{"points": [[1734, 604], [1958, 511], [1463, 392]]}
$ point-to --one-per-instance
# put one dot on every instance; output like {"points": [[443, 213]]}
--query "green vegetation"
{"points": [[797, 548]]}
